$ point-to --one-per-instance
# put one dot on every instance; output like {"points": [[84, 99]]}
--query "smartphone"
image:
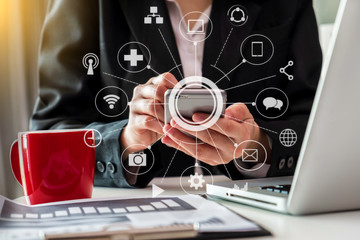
{"points": [[190, 101]]}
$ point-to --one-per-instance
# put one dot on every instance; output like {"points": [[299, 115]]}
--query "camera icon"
{"points": [[137, 159]]}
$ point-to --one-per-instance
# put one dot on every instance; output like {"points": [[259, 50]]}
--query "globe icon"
{"points": [[288, 137]]}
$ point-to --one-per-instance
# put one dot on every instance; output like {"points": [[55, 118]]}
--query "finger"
{"points": [[202, 152], [176, 134], [155, 92], [145, 122], [225, 126], [148, 107], [238, 112], [209, 136], [166, 79]]}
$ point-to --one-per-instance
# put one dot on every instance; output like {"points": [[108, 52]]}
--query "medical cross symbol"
{"points": [[133, 57]]}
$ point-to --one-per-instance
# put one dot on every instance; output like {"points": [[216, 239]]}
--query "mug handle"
{"points": [[15, 161]]}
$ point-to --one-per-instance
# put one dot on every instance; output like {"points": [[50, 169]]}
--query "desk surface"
{"points": [[344, 225]]}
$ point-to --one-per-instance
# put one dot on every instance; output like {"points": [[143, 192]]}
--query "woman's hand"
{"points": [[146, 117], [221, 140]]}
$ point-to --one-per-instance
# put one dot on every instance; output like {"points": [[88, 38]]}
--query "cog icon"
{"points": [[196, 181]]}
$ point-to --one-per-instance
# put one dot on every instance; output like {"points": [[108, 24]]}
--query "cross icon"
{"points": [[133, 57]]}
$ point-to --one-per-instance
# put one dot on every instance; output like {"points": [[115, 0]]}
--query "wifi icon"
{"points": [[111, 99]]}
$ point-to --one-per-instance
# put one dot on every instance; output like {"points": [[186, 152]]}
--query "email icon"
{"points": [[250, 155]]}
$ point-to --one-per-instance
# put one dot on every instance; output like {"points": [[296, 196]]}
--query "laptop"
{"points": [[327, 175]]}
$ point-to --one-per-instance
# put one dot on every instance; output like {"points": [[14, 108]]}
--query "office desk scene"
{"points": [[179, 119]]}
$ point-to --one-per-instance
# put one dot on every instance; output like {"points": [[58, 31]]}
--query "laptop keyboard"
{"points": [[284, 189]]}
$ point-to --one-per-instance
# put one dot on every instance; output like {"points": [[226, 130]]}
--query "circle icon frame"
{"points": [[252, 169], [281, 114], [207, 33], [182, 176], [257, 35], [237, 8], [142, 173], [174, 111], [106, 115], [134, 71], [96, 145]]}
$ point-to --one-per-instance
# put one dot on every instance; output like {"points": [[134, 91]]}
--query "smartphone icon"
{"points": [[257, 49]]}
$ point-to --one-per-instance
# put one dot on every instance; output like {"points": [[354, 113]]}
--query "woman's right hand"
{"points": [[146, 117]]}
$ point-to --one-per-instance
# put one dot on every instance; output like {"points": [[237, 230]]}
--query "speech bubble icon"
{"points": [[279, 104], [270, 102]]}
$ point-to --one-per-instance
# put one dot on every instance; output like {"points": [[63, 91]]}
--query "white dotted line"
{"points": [[120, 78], [223, 46]]}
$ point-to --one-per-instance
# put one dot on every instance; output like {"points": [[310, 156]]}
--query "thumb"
{"points": [[238, 112]]}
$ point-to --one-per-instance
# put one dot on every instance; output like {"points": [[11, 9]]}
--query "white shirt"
{"points": [[191, 65]]}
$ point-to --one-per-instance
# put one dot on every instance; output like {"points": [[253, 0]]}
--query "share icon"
{"points": [[283, 70]]}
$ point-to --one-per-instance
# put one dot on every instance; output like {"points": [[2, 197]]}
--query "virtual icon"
{"points": [[137, 159], [250, 155], [111, 99], [288, 137], [158, 18], [193, 23], [257, 49], [283, 70], [245, 188], [196, 181], [92, 138], [237, 15], [133, 57], [271, 102], [90, 62]]}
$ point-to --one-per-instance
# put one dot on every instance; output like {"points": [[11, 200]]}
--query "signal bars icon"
{"points": [[111, 99]]}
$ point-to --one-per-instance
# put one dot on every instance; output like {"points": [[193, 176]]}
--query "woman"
{"points": [[239, 45]]}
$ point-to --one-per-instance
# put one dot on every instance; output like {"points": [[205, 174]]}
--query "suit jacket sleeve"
{"points": [[66, 94]]}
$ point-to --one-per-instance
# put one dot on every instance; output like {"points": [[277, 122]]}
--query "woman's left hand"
{"points": [[220, 143]]}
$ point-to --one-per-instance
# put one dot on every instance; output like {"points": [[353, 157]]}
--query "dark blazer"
{"points": [[74, 28]]}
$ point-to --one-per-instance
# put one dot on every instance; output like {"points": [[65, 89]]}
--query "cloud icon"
{"points": [[271, 102]]}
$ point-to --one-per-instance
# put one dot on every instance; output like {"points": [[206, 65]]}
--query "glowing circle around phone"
{"points": [[214, 116], [186, 120]]}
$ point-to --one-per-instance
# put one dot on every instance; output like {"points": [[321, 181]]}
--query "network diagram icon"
{"points": [[196, 181], [153, 14]]}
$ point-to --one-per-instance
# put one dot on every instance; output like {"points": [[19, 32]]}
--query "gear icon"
{"points": [[196, 181]]}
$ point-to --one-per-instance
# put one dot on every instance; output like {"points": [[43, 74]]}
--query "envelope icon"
{"points": [[250, 155]]}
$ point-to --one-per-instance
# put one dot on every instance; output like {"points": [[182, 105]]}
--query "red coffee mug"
{"points": [[54, 165]]}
